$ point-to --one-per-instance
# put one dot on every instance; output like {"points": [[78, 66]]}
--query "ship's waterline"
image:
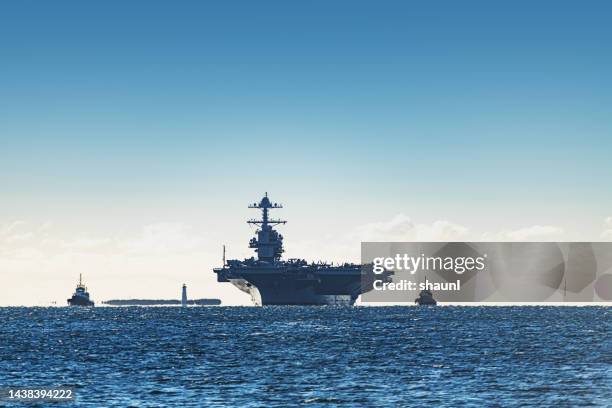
{"points": [[292, 296]]}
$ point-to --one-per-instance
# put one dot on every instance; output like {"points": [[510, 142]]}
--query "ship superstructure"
{"points": [[273, 281], [425, 298], [80, 297]]}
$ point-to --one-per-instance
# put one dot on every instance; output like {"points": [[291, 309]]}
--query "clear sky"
{"points": [[133, 134]]}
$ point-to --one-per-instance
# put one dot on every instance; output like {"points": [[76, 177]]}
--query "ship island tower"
{"points": [[268, 244]]}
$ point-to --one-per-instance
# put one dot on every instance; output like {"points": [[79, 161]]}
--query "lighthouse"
{"points": [[184, 296]]}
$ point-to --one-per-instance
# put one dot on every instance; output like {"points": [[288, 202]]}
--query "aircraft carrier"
{"points": [[273, 281]]}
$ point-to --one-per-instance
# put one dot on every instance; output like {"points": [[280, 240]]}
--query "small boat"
{"points": [[80, 297], [425, 299]]}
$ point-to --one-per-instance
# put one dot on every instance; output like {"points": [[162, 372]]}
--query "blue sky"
{"points": [[116, 115]]}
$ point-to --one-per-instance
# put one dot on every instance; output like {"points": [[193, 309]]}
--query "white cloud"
{"points": [[85, 243], [533, 233], [402, 228], [153, 262], [399, 226], [47, 259], [346, 247], [19, 237], [441, 231], [163, 238], [11, 228]]}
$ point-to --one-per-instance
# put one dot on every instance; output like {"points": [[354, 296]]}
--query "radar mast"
{"points": [[269, 243]]}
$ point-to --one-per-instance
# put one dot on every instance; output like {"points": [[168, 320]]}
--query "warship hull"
{"points": [[275, 292], [312, 285], [79, 301]]}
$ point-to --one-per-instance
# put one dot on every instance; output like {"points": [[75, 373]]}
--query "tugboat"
{"points": [[80, 296], [271, 280], [425, 299]]}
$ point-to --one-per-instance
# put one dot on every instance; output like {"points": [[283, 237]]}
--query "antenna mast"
{"points": [[269, 243], [265, 205]]}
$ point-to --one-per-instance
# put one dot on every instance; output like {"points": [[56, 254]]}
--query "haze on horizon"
{"points": [[134, 135]]}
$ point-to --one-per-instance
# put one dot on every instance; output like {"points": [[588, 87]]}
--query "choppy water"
{"points": [[283, 356]]}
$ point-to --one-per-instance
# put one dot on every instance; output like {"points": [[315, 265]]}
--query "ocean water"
{"points": [[312, 356]]}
